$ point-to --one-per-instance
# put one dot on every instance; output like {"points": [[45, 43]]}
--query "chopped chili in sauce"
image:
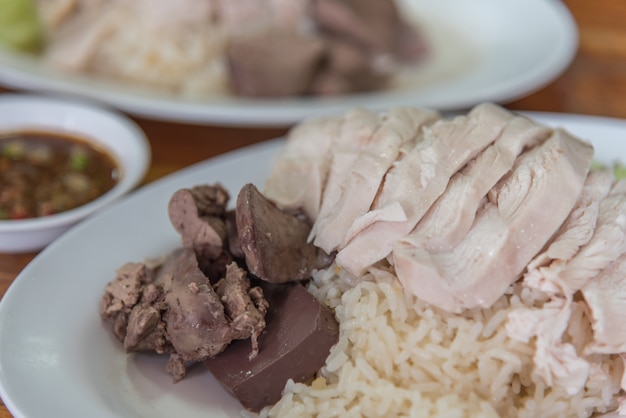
{"points": [[43, 173]]}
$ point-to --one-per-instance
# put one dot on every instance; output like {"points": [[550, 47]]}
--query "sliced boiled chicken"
{"points": [[606, 245], [555, 361], [300, 171], [362, 181], [414, 183], [558, 360], [543, 272], [510, 229], [605, 295], [450, 218], [77, 42], [355, 134]]}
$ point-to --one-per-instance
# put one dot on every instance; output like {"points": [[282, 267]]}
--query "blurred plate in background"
{"points": [[483, 50]]}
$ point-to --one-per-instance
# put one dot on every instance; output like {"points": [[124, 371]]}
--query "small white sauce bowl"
{"points": [[117, 134]]}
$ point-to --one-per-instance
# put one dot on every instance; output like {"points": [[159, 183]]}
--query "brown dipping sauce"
{"points": [[43, 173]]}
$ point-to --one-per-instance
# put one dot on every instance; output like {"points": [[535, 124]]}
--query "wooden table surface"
{"points": [[594, 84]]}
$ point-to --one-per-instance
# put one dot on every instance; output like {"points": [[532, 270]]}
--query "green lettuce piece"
{"points": [[620, 171], [20, 27]]}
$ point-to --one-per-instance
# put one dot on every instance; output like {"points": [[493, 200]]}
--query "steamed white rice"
{"points": [[398, 357], [185, 58]]}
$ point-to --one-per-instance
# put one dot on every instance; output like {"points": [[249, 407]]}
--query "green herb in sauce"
{"points": [[44, 173]]}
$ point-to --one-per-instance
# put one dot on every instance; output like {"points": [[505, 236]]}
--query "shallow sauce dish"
{"points": [[113, 133]]}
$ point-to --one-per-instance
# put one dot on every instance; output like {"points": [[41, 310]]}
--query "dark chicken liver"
{"points": [[351, 46], [374, 25], [177, 310], [273, 63], [297, 339], [199, 215], [274, 241]]}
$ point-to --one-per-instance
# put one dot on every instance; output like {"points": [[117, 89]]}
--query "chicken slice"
{"points": [[605, 295], [450, 218], [76, 42], [355, 134], [299, 173], [399, 126], [418, 179], [606, 245], [555, 361], [543, 271], [510, 229]]}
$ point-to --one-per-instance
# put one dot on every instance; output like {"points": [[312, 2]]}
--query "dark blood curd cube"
{"points": [[299, 335]]}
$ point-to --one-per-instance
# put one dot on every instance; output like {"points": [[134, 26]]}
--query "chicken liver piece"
{"points": [[273, 63], [376, 25], [178, 311], [199, 215], [275, 241]]}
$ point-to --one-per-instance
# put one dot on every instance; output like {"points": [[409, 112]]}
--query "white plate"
{"points": [[484, 50], [57, 359]]}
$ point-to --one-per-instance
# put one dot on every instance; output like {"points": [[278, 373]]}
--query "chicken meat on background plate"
{"points": [[269, 48]]}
